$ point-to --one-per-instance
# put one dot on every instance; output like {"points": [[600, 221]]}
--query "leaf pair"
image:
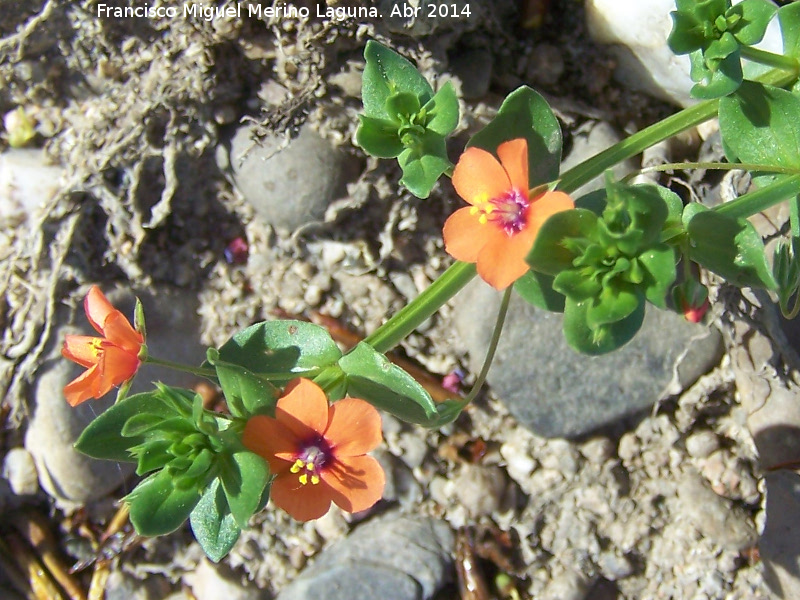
{"points": [[404, 119]]}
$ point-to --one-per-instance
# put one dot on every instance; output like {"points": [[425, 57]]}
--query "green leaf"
{"points": [[614, 303], [139, 425], [281, 350], [537, 289], [582, 338], [423, 165], [385, 74], [761, 124], [524, 113], [441, 111], [402, 105], [378, 137], [550, 255], [151, 455], [246, 393], [372, 377], [244, 475], [686, 35], [103, 437], [789, 17], [755, 17], [212, 523], [731, 248], [723, 80], [158, 507], [660, 264]]}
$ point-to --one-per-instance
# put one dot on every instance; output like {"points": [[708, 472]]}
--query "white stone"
{"points": [[20, 471], [27, 181]]}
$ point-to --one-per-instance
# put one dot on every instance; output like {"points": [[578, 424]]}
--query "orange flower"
{"points": [[111, 359], [318, 452], [499, 229]]}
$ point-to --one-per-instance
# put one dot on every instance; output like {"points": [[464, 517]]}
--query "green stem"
{"points": [[639, 141], [199, 371], [760, 200], [794, 216], [487, 363], [416, 312], [779, 61], [718, 166]]}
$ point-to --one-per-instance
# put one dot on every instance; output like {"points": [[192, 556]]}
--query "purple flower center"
{"points": [[312, 457], [509, 211]]}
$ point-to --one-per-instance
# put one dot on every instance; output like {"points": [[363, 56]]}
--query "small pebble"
{"points": [[701, 444], [19, 469]]}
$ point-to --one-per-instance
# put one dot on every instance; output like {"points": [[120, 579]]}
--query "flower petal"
{"points": [[115, 366], [464, 236], [272, 441], [478, 176], [82, 388], [82, 349], [498, 266], [354, 428], [303, 409], [302, 502], [545, 206], [97, 308], [120, 332], [514, 158], [358, 481]]}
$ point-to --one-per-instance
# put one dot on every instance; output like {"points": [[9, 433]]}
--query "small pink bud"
{"points": [[237, 251]]}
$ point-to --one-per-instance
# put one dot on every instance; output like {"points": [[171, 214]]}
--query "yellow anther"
{"points": [[304, 478], [298, 464], [474, 210], [310, 466], [314, 480], [483, 219]]}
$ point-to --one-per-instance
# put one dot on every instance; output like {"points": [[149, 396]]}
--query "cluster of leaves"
{"points": [[607, 263], [196, 465], [713, 33], [404, 119]]}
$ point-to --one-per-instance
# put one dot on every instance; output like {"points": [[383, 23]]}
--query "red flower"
{"points": [[318, 452], [111, 359], [499, 229]]}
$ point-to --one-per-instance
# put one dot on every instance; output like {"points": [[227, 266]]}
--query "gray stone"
{"points": [[715, 517], [474, 69], [121, 586], [393, 558], [214, 582], [556, 392], [481, 490], [588, 140], [287, 186], [64, 473], [780, 543]]}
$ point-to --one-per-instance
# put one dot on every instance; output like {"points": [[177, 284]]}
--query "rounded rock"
{"points": [[287, 186]]}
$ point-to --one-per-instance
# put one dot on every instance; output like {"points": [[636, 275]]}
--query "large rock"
{"points": [[67, 475], [557, 392], [392, 558], [780, 543], [287, 186]]}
